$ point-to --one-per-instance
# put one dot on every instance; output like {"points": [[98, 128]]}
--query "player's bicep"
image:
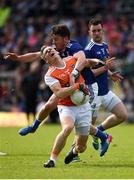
{"points": [[81, 60], [53, 83], [79, 55]]}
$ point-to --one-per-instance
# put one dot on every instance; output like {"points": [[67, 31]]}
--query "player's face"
{"points": [[96, 33], [50, 55], [60, 42]]}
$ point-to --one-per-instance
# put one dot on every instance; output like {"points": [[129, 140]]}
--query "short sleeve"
{"points": [[76, 47], [50, 80]]}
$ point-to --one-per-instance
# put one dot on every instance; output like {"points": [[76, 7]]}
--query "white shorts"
{"points": [[81, 115], [93, 88], [108, 101]]}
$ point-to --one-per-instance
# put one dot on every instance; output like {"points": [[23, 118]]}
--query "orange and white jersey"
{"points": [[62, 75]]}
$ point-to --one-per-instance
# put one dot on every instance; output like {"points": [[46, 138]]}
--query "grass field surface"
{"points": [[26, 155]]}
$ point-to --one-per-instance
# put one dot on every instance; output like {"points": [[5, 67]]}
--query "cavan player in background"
{"points": [[99, 49]]}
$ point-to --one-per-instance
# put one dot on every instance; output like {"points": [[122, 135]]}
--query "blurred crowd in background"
{"points": [[24, 27]]}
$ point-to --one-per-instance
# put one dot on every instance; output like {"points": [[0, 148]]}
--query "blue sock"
{"points": [[100, 127], [101, 135], [36, 124]]}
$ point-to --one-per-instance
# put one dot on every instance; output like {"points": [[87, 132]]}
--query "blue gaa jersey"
{"points": [[72, 48], [99, 51]]}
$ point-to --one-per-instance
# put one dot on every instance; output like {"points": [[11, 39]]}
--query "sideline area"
{"points": [[18, 119], [12, 119]]}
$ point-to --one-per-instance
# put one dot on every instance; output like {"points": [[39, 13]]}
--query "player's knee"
{"points": [[67, 130], [120, 112], [123, 116], [48, 107]]}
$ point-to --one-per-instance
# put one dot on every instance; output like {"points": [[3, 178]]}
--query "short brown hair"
{"points": [[61, 30], [95, 21]]}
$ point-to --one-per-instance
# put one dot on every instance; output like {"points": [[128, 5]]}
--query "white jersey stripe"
{"points": [[89, 46]]}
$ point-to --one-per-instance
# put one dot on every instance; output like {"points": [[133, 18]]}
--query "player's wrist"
{"points": [[75, 86], [75, 72], [105, 67]]}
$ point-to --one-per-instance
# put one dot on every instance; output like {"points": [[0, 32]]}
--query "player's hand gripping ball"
{"points": [[79, 97]]}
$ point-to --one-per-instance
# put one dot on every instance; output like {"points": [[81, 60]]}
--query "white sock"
{"points": [[53, 159], [74, 151]]}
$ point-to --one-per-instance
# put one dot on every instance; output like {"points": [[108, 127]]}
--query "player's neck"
{"points": [[60, 64], [97, 42]]}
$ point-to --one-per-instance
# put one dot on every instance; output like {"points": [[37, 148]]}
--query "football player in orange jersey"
{"points": [[70, 115], [60, 35]]}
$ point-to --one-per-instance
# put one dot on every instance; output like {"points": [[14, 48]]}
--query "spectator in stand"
{"points": [[29, 88]]}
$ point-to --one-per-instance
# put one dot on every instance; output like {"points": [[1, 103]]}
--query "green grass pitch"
{"points": [[26, 155]]}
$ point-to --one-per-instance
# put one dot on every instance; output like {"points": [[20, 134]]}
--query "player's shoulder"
{"points": [[90, 45], [69, 59], [93, 45], [50, 71], [73, 43], [105, 44]]}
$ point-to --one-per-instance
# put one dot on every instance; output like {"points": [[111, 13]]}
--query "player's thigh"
{"points": [[52, 102], [83, 120], [67, 124], [83, 115], [120, 111], [67, 116], [110, 100]]}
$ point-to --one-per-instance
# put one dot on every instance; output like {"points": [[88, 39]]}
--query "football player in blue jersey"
{"points": [[97, 48], [60, 35]]}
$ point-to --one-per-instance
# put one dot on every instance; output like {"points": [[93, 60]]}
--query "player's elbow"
{"points": [[59, 94]]}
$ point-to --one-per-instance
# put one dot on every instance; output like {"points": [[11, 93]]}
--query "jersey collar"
{"points": [[100, 44]]}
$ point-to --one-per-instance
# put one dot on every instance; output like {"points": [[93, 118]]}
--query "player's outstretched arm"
{"points": [[109, 64], [115, 76], [29, 57], [92, 62]]}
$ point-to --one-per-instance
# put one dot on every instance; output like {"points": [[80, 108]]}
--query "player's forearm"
{"points": [[80, 64], [29, 57], [81, 60], [64, 92], [110, 72], [99, 71], [92, 62]]}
